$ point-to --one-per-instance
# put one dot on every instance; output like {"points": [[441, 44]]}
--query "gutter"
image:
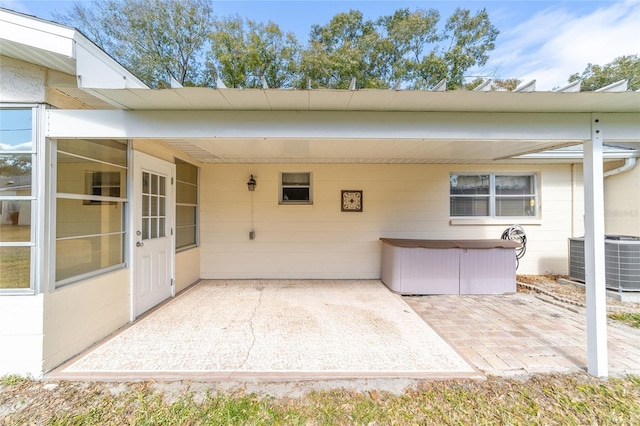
{"points": [[629, 164]]}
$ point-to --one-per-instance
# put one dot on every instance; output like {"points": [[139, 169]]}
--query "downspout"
{"points": [[629, 164]]}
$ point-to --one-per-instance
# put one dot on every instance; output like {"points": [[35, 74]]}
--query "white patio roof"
{"points": [[313, 126], [200, 98], [241, 136], [369, 126]]}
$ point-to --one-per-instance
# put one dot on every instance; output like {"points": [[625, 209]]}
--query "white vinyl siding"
{"points": [[100, 306], [622, 203], [320, 241]]}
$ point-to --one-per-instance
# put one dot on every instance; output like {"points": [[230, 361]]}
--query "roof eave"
{"points": [[65, 49]]}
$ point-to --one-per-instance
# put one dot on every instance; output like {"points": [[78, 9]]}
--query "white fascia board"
{"points": [[37, 33], [622, 127], [97, 70], [569, 127], [93, 65]]}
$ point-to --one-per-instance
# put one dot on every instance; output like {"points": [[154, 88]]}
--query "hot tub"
{"points": [[449, 266]]}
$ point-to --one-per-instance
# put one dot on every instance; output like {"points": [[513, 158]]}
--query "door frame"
{"points": [[134, 201]]}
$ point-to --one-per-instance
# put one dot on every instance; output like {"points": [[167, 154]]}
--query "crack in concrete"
{"points": [[253, 335]]}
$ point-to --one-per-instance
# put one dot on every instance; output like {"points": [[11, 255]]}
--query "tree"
{"points": [[155, 39], [622, 68], [346, 47], [507, 84], [15, 165], [405, 45], [242, 55], [273, 54], [497, 84], [164, 40], [410, 34], [227, 60], [471, 38]]}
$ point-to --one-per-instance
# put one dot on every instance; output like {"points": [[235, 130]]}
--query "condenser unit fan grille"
{"points": [[622, 262]]}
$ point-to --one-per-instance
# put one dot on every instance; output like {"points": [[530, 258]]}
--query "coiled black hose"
{"points": [[517, 234]]}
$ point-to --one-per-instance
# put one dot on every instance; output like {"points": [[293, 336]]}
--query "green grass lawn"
{"points": [[540, 400], [632, 320], [13, 233], [14, 267]]}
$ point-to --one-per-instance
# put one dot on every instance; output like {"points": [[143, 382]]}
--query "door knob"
{"points": [[139, 244]]}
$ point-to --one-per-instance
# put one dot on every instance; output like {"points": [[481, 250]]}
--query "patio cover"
{"points": [[270, 125]]}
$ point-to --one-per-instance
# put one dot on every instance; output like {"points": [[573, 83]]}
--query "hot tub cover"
{"points": [[451, 244]]}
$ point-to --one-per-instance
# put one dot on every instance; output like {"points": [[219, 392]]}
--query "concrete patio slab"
{"points": [[274, 330]]}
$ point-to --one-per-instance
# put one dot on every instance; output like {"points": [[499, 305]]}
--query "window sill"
{"points": [[17, 292], [186, 248], [295, 205], [495, 222], [77, 279]]}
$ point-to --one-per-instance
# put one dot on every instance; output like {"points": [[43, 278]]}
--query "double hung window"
{"points": [[493, 195]]}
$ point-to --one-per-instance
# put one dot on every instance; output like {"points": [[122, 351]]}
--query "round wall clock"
{"points": [[351, 201]]}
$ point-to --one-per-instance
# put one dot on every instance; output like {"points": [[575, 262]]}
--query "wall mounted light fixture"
{"points": [[252, 184]]}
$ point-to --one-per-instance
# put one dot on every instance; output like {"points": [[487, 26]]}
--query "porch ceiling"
{"points": [[356, 151]]}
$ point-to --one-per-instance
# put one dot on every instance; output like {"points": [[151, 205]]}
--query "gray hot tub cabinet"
{"points": [[449, 266]]}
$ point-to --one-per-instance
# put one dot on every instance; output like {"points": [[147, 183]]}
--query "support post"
{"points": [[597, 364]]}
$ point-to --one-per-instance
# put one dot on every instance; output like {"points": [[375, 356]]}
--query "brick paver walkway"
{"points": [[515, 334]]}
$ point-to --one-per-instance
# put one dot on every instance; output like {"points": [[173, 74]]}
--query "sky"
{"points": [[542, 40]]}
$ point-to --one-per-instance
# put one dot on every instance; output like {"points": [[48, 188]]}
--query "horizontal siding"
{"points": [[187, 268], [80, 314], [622, 203], [320, 241]]}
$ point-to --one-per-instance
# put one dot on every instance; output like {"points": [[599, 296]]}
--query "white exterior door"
{"points": [[152, 224]]}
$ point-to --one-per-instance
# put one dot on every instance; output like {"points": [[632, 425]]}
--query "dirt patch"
{"points": [[549, 285]]}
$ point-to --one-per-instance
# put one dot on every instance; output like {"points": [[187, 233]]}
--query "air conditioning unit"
{"points": [[576, 259], [622, 261]]}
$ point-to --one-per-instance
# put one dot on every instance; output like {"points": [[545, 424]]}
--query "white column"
{"points": [[594, 252]]}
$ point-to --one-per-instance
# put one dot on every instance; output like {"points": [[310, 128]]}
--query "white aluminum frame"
{"points": [[36, 197], [492, 195], [51, 225], [197, 206], [283, 202]]}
